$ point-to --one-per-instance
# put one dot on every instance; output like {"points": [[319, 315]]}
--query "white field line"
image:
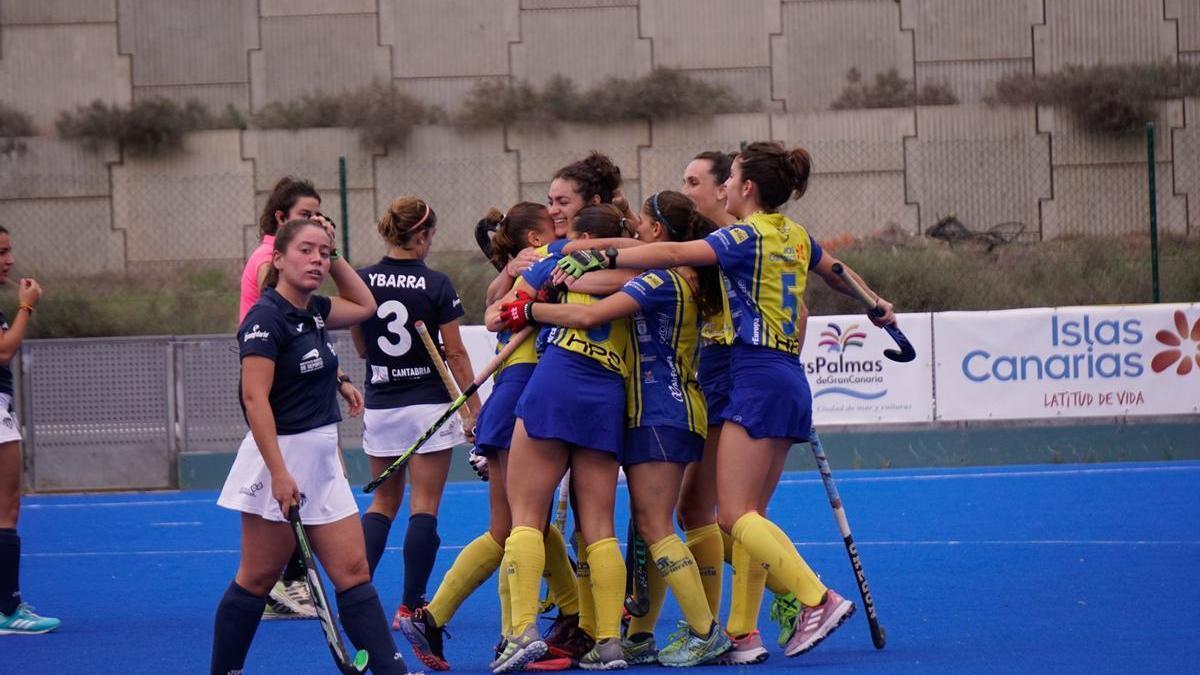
{"points": [[469, 488]]}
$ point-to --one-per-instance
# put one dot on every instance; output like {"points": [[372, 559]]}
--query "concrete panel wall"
{"points": [[678, 141], [64, 236], [857, 186], [52, 167], [447, 92], [425, 44], [1187, 16], [752, 86], [710, 33], [460, 175], [572, 42], [310, 153], [80, 60], [1186, 152], [14, 12], [822, 39], [303, 54], [1087, 32], [971, 30], [311, 7], [970, 81], [986, 166], [1100, 184], [542, 153], [209, 176]]}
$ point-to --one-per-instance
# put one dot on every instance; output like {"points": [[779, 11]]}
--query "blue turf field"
{"points": [[1018, 569]]}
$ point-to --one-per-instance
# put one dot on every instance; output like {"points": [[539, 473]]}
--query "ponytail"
{"points": [[779, 174], [681, 220], [510, 231]]}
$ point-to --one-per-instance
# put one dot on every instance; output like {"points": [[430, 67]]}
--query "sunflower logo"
{"points": [[1177, 347]]}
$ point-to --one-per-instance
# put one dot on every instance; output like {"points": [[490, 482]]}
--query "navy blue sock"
{"points": [[367, 627], [10, 570], [376, 527], [237, 621], [421, 544]]}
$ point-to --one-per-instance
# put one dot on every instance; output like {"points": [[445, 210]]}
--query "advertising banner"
{"points": [[851, 380], [1068, 362]]}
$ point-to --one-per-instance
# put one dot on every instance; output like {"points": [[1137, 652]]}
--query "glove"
{"points": [[549, 294], [581, 262], [519, 313], [479, 463]]}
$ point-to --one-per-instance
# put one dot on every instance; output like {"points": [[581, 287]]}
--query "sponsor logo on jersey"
{"points": [[255, 333], [654, 280], [379, 374], [311, 361], [739, 235], [379, 280], [456, 302], [318, 321]]}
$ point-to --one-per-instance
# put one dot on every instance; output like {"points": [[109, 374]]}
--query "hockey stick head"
{"points": [[906, 352]]}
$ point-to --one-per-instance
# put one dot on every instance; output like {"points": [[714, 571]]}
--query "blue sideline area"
{"points": [[1054, 568]]}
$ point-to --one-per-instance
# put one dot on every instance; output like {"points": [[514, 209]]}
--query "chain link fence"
{"points": [[153, 247]]}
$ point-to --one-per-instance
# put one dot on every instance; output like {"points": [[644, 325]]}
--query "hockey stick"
{"points": [[334, 637], [480, 378], [906, 352], [637, 583], [560, 523], [878, 635], [438, 363]]}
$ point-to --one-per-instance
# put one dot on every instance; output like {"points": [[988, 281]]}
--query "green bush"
{"points": [[382, 113], [889, 90], [14, 125], [663, 93], [148, 128], [1109, 99]]}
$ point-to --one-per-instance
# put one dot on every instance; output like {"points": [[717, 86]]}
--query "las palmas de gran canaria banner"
{"points": [[851, 380], [1068, 362]]}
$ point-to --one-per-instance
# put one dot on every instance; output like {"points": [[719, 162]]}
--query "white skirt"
{"points": [[388, 432], [311, 458], [10, 430]]}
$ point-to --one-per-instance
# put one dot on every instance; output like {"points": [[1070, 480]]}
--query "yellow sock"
{"points": [[583, 576], [505, 602], [524, 558], [727, 542], [608, 586], [755, 533], [774, 583], [676, 565], [749, 577], [708, 551], [559, 575], [658, 593], [474, 564]]}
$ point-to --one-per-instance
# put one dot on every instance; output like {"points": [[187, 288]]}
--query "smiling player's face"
{"points": [[306, 262]]}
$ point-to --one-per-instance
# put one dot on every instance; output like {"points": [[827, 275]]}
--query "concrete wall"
{"points": [[86, 213]]}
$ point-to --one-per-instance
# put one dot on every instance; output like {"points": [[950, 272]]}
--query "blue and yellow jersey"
{"points": [[764, 266], [525, 353], [607, 344], [717, 329], [662, 389], [553, 248]]}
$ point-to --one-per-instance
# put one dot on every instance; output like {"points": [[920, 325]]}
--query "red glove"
{"points": [[519, 313]]}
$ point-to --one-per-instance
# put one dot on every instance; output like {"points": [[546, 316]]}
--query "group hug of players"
{"points": [[664, 341]]}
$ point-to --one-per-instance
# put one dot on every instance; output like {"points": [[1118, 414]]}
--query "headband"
{"points": [[423, 218], [658, 214]]}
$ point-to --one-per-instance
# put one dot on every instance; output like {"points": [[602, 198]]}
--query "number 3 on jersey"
{"points": [[396, 327], [790, 303]]}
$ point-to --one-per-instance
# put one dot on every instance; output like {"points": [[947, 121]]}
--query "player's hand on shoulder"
{"points": [[580, 263], [524, 260], [517, 314]]}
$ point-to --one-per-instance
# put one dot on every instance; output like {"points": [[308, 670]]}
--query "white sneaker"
{"points": [[291, 598]]}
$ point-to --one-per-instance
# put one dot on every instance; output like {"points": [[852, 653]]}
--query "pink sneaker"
{"points": [[816, 623], [746, 651]]}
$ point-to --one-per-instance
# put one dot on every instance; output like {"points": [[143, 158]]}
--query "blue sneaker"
{"points": [[24, 622], [686, 649]]}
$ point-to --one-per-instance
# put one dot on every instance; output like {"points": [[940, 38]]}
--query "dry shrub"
{"points": [[889, 90]]}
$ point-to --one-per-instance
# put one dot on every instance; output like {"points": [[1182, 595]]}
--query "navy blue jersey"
{"points": [[6, 381], [303, 394], [400, 371]]}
